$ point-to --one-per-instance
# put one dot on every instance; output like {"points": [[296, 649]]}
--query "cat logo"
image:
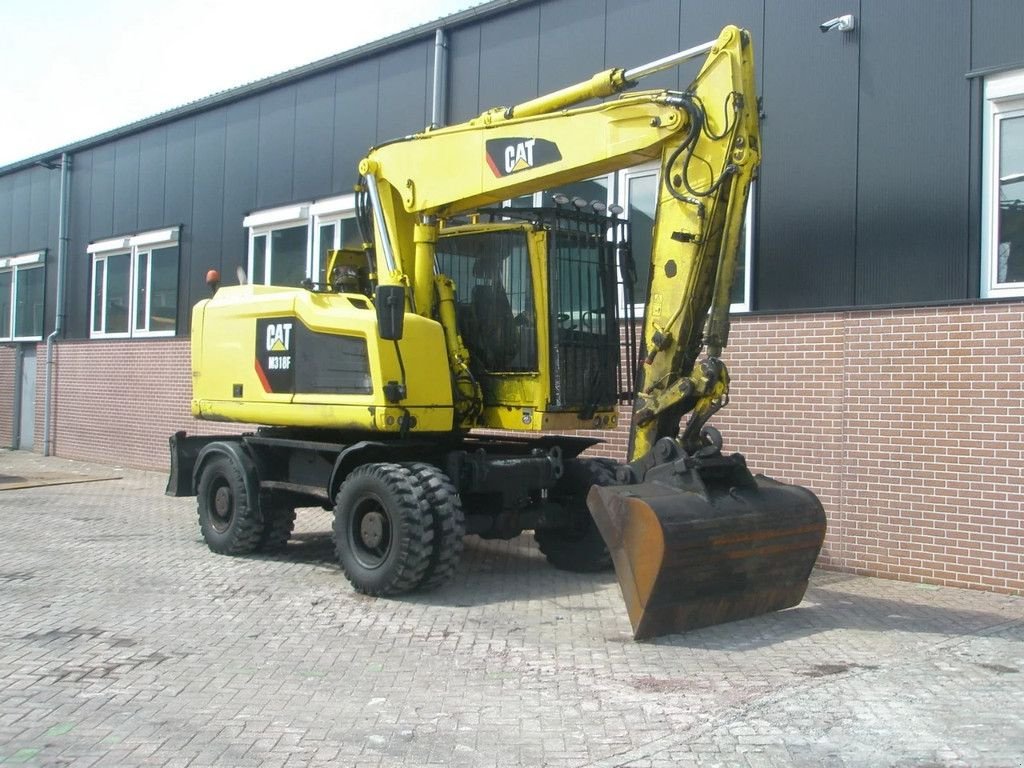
{"points": [[279, 337], [275, 354], [516, 154]]}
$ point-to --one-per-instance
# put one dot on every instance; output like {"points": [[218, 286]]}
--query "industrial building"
{"points": [[876, 350]]}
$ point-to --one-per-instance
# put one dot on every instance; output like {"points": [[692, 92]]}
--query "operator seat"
{"points": [[494, 337]]}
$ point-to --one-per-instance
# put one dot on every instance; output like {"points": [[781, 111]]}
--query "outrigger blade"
{"points": [[701, 541]]}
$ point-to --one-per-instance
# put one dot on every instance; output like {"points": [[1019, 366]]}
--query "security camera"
{"points": [[839, 23]]}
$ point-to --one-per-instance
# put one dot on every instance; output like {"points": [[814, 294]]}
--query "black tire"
{"points": [[449, 523], [579, 547], [383, 530], [229, 521], [278, 524]]}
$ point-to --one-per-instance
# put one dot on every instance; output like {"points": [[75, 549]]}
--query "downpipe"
{"points": [[58, 324], [438, 112]]}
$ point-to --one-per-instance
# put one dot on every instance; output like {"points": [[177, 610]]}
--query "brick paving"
{"points": [[125, 642]]}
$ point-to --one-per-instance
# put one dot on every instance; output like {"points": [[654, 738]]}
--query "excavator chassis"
{"points": [[701, 541]]}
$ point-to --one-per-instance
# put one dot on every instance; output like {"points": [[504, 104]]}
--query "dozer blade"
{"points": [[687, 559]]}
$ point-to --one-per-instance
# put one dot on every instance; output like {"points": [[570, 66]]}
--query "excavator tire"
{"points": [[383, 530], [449, 523], [228, 519], [278, 523], [579, 548]]}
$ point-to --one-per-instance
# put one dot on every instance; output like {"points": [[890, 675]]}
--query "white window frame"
{"points": [[331, 211], [265, 222], [143, 243], [1004, 98], [14, 265], [654, 169]]}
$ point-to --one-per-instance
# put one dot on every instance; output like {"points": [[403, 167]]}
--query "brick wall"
{"points": [[8, 383], [909, 424], [119, 401]]}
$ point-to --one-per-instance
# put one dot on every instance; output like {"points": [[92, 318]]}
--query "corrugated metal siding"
{"points": [[152, 176], [275, 151], [463, 73], [206, 233], [355, 119], [914, 139], [314, 135], [559, 62], [402, 99], [997, 29], [807, 190], [509, 51], [869, 191], [638, 31], [126, 185]]}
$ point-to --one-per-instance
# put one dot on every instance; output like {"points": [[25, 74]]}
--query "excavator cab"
{"points": [[539, 306]]}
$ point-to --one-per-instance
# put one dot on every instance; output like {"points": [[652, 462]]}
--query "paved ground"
{"points": [[124, 642]]}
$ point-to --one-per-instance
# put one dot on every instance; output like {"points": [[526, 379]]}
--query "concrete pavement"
{"points": [[125, 642]]}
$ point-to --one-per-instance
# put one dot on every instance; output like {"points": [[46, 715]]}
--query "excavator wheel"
{"points": [[278, 523], [448, 521], [580, 547], [383, 529], [229, 520]]}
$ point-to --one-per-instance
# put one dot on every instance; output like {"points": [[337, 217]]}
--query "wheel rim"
{"points": [[222, 505], [370, 532]]}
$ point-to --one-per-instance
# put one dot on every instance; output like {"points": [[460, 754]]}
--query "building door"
{"points": [[27, 412]]}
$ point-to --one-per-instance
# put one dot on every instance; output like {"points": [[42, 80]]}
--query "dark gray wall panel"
{"points": [[21, 205], [79, 278], [639, 31], [6, 212], [101, 193], [913, 170], [560, 63], [355, 120], [701, 21], [807, 189], [42, 182], [509, 50], [314, 137], [152, 172], [126, 185], [179, 184], [276, 147], [997, 32], [463, 73], [242, 132], [402, 101], [205, 239]]}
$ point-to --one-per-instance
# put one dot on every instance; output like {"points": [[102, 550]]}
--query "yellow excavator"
{"points": [[419, 388]]}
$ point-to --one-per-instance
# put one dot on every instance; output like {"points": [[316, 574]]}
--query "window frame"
{"points": [[328, 212], [133, 246], [264, 223], [654, 168], [14, 265], [1004, 98]]}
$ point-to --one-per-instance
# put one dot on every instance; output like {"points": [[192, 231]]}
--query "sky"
{"points": [[71, 69]]}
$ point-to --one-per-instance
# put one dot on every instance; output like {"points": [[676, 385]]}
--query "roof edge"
{"points": [[484, 10]]}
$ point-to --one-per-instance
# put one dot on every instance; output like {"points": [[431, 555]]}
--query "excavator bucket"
{"points": [[694, 549]]}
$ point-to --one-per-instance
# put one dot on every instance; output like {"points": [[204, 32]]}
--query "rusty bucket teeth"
{"points": [[687, 559]]}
